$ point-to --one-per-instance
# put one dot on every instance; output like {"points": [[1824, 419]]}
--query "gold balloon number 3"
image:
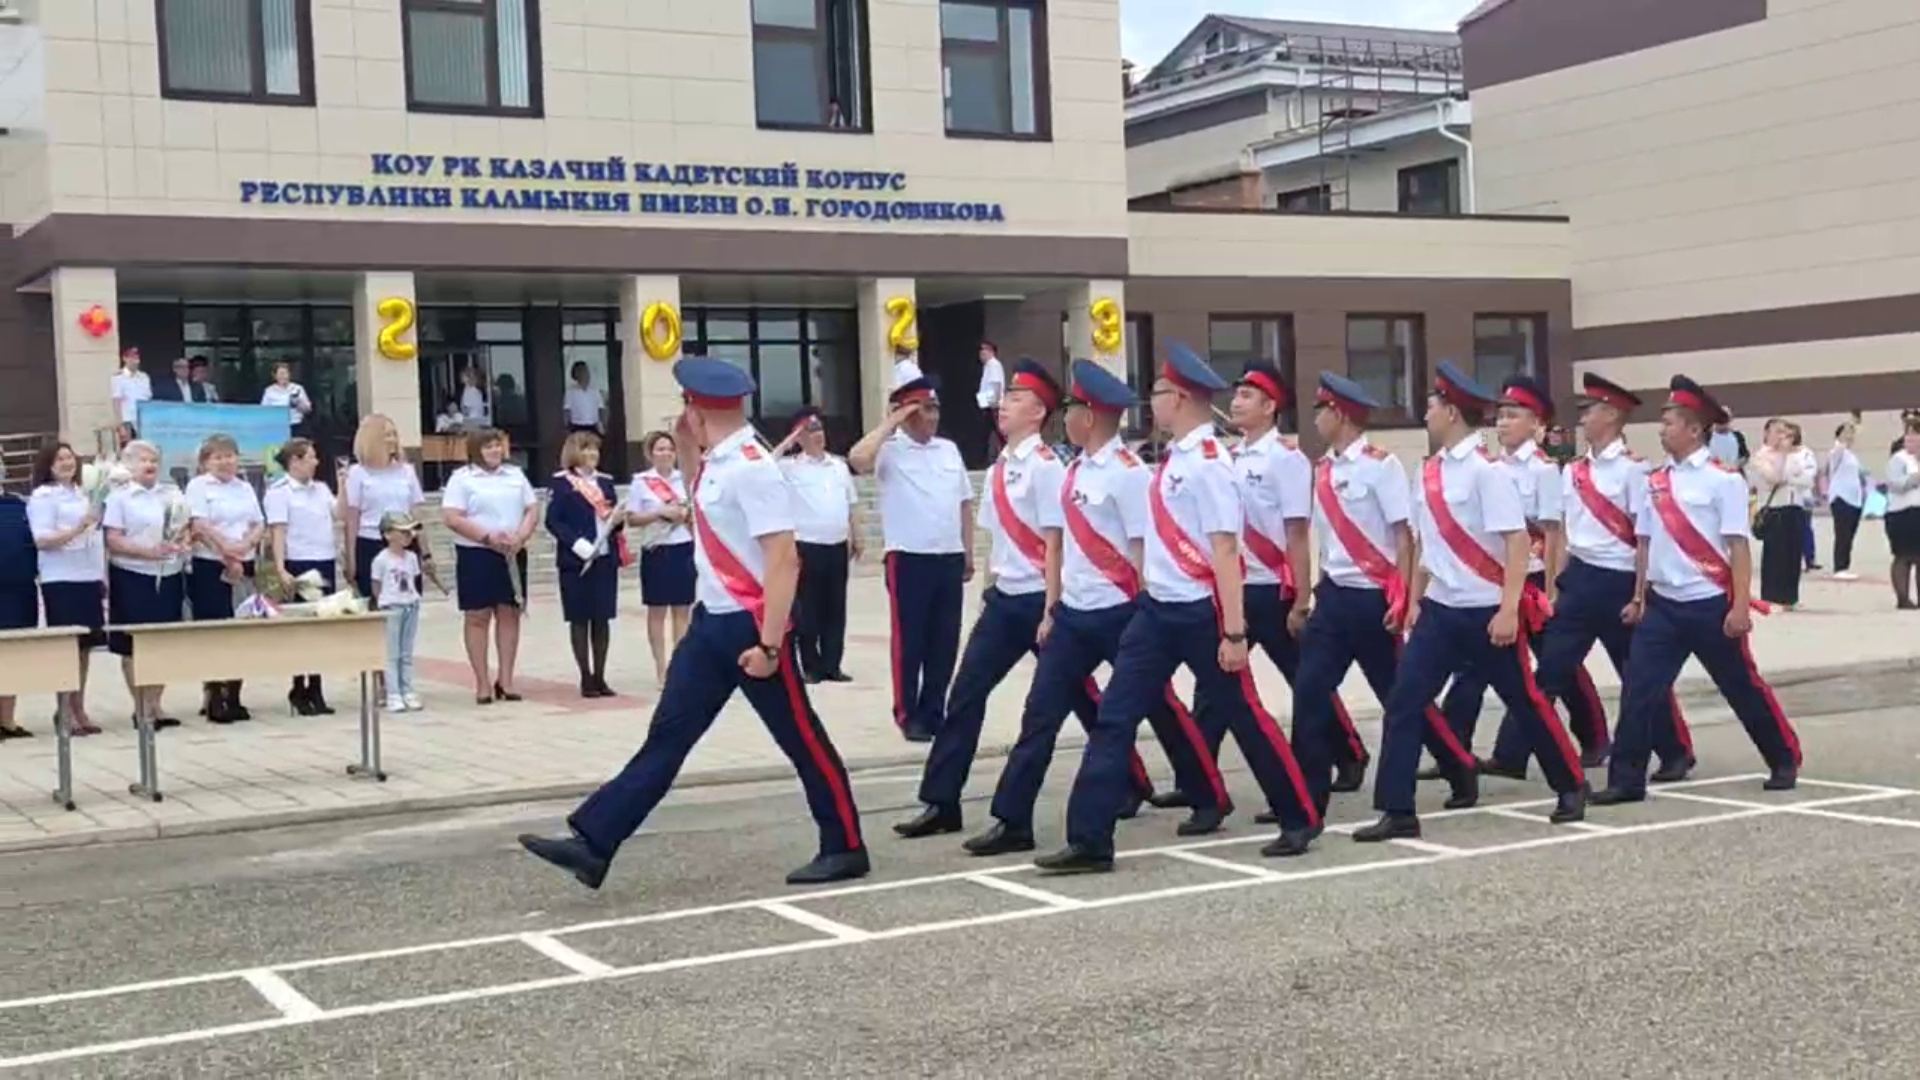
{"points": [[398, 312], [902, 334], [1107, 326], [660, 331]]}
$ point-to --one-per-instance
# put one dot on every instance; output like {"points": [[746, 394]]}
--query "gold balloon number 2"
{"points": [[1108, 326], [399, 315], [660, 331], [903, 335]]}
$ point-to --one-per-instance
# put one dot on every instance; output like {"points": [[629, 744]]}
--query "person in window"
{"points": [[657, 505], [586, 520], [227, 526], [473, 399], [835, 117], [73, 565], [586, 409], [492, 511], [180, 385], [451, 419], [146, 524], [130, 387], [19, 602], [300, 511], [203, 384], [286, 394], [379, 482]]}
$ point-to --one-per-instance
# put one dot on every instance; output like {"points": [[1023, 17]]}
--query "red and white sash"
{"points": [[1534, 609], [1271, 555], [1025, 538], [732, 574], [1688, 539], [663, 490], [1186, 555], [1611, 517], [588, 488], [1379, 569], [1105, 556]]}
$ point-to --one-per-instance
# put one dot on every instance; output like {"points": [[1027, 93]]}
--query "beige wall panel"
{"points": [[1208, 154], [1374, 182], [1877, 430], [1769, 363], [1285, 245]]}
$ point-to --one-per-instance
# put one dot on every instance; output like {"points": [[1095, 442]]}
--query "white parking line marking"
{"points": [[1054, 905], [1541, 820], [1438, 851], [815, 921], [1857, 819], [280, 994], [1209, 861], [1024, 892], [565, 955]]}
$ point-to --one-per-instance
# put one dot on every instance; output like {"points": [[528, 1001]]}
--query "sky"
{"points": [[1149, 28]]}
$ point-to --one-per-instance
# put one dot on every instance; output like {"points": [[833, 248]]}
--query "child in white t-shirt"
{"points": [[396, 590]]}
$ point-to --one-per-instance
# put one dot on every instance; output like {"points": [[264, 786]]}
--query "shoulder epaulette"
{"points": [[750, 451], [1290, 442], [1377, 453], [1631, 456], [1486, 454], [1045, 452], [1210, 449], [1126, 457]]}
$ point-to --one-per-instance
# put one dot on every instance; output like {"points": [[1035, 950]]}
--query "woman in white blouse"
{"points": [[1846, 496], [1903, 518], [300, 512], [286, 394], [73, 564], [1784, 476], [657, 506], [492, 511], [379, 482], [227, 525], [473, 398], [146, 523], [130, 387]]}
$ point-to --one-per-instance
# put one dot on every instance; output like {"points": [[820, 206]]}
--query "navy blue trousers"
{"points": [[1159, 639], [1586, 612], [1002, 635], [1585, 714], [1266, 608], [926, 592], [1447, 642], [704, 673], [1669, 632], [1080, 642]]}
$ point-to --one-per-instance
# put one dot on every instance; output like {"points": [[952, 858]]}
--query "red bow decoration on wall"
{"points": [[96, 321]]}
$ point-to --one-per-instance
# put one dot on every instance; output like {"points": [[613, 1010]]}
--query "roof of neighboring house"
{"points": [[1484, 9], [1280, 29]]}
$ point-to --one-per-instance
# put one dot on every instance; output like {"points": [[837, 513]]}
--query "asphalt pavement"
{"points": [[1715, 931]]}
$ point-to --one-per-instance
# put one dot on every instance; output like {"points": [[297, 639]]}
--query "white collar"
{"points": [[732, 444], [1108, 450], [1525, 451], [1465, 448], [1023, 450], [1696, 459], [1195, 437], [1355, 450]]}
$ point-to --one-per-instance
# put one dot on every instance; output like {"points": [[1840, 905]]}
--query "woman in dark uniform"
{"points": [[146, 524], [19, 603], [492, 512], [73, 564], [300, 513], [581, 503], [227, 526]]}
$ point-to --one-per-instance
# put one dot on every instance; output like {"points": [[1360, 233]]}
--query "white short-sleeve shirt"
{"points": [[1619, 478], [922, 487], [1031, 475], [651, 493], [140, 514], [376, 492], [742, 498], [230, 506], [53, 509], [307, 511], [1109, 488], [583, 404], [1276, 486], [130, 389], [1371, 487], [1197, 484], [397, 578], [823, 496], [1484, 499], [493, 500], [284, 397], [1714, 500]]}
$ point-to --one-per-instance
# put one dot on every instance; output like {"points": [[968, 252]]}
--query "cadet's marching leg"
{"points": [[1325, 655], [784, 708], [1002, 634], [1435, 650], [1659, 650], [1672, 739], [1509, 671], [1729, 660], [1069, 658], [1196, 771], [1086, 709]]}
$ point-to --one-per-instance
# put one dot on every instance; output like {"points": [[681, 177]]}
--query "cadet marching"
{"points": [[1441, 585]]}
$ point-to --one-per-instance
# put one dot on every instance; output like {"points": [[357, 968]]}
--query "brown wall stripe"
{"points": [[1523, 38], [1875, 317], [1811, 396]]}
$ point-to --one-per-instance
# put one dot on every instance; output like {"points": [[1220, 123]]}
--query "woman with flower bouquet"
{"points": [[590, 547], [227, 523], [64, 511], [146, 523], [492, 512]]}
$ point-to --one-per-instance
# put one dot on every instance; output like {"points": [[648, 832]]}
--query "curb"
{"points": [[1689, 689]]}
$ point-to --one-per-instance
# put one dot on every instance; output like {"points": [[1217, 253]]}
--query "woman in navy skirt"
{"points": [[492, 511], [146, 524], [73, 565], [227, 526], [19, 603], [300, 514], [581, 503], [657, 504]]}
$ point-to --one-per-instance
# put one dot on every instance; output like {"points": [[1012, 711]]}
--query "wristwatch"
{"points": [[1237, 639], [772, 652]]}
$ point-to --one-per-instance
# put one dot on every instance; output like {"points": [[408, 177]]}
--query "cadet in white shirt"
{"points": [[1191, 616], [586, 409], [1692, 597], [72, 563], [300, 511], [743, 518], [657, 506], [284, 393], [130, 387], [1470, 606], [826, 512], [492, 511], [227, 526], [926, 519], [993, 387]]}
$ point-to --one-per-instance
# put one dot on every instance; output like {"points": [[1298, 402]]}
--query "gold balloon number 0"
{"points": [[1107, 326], [399, 314], [660, 331], [902, 335]]}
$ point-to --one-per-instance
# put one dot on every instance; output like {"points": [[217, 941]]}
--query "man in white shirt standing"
{"points": [[826, 520], [586, 409], [993, 387], [926, 518]]}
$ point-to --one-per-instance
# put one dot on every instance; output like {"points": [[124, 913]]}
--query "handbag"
{"points": [[1766, 517]]}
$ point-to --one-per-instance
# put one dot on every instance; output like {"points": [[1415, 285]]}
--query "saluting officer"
{"points": [[1604, 491], [1524, 405], [1367, 557], [926, 521], [1092, 579], [1471, 609], [1021, 512], [1693, 598], [1193, 615], [739, 639]]}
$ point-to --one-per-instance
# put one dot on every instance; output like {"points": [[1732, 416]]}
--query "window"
{"points": [[1308, 200], [1383, 356], [1232, 340], [473, 56], [797, 358], [994, 53], [1433, 188], [1505, 345], [237, 50], [810, 64]]}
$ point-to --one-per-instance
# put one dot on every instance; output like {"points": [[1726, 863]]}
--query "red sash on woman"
{"points": [[1534, 609], [589, 489], [1112, 563], [1611, 517], [1688, 539], [661, 489], [732, 574], [1379, 569], [1025, 539]]}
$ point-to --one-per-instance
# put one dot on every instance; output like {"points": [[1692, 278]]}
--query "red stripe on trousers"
{"points": [[1548, 714], [1787, 733], [1135, 766], [893, 616], [803, 721], [1341, 714], [1271, 730], [1680, 728], [1438, 720], [1590, 696], [1208, 765]]}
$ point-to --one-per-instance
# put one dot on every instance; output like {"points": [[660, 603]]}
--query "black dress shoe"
{"points": [[1672, 772], [1266, 817], [500, 694], [1131, 808], [569, 853], [1001, 839], [1292, 842], [932, 821], [836, 676], [1570, 807], [841, 866], [1073, 860], [1204, 820], [601, 689], [161, 723], [916, 733], [1431, 772], [1615, 797], [1389, 827], [1490, 767], [1169, 800], [1784, 778], [1350, 776], [1466, 792], [1593, 757]]}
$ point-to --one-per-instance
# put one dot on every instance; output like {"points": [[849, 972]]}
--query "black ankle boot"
{"points": [[300, 698], [317, 698], [239, 711]]}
